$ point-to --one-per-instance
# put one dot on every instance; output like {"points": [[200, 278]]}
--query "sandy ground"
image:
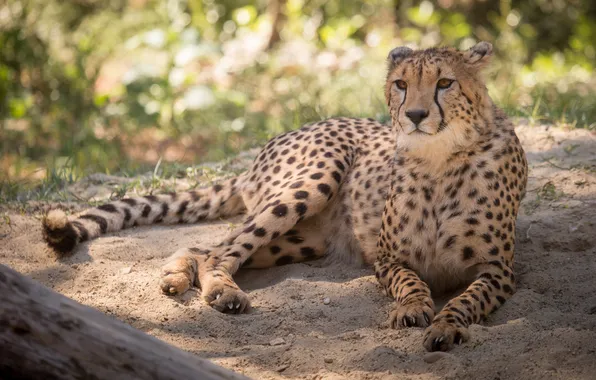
{"points": [[546, 331]]}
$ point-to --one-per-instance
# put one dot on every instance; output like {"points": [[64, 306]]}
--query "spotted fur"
{"points": [[430, 201], [218, 201]]}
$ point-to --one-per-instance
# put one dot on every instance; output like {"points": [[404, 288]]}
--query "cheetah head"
{"points": [[436, 98]]}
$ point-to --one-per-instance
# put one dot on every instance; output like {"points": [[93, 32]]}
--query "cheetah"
{"points": [[430, 201]]}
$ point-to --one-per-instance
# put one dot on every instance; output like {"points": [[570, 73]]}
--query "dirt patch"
{"points": [[314, 321]]}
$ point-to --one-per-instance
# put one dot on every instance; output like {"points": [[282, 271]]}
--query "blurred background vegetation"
{"points": [[115, 86]]}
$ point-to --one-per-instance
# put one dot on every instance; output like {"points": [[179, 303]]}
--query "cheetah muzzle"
{"points": [[430, 201]]}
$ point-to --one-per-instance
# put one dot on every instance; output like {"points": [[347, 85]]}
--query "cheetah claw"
{"points": [[442, 336], [227, 300], [416, 314]]}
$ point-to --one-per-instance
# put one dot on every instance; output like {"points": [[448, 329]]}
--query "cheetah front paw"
{"points": [[227, 299], [441, 336], [413, 314]]}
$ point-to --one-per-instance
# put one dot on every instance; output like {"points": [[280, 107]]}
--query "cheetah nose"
{"points": [[417, 115]]}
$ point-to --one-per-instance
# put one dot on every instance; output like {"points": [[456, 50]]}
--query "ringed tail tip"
{"points": [[58, 232]]}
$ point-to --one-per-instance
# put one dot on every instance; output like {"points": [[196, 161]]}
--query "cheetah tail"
{"points": [[62, 234]]}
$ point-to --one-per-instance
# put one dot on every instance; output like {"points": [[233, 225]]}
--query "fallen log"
{"points": [[45, 335]]}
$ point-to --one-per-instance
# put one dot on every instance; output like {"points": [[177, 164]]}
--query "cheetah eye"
{"points": [[444, 83], [401, 84]]}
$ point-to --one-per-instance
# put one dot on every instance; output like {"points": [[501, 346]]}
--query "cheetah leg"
{"points": [[414, 305], [219, 289], [304, 242], [494, 285], [299, 202], [230, 237], [192, 266], [181, 272], [184, 270]]}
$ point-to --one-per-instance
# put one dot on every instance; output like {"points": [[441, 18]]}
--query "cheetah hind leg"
{"points": [[181, 272], [302, 243]]}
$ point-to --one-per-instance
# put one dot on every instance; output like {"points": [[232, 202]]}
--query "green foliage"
{"points": [[114, 86]]}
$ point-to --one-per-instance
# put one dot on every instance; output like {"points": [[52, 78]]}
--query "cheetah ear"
{"points": [[478, 55], [397, 55]]}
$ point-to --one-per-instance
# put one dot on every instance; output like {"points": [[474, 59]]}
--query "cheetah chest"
{"points": [[424, 226]]}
